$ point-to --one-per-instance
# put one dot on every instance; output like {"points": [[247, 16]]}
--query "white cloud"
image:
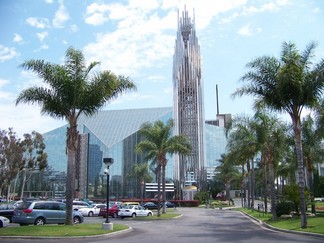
{"points": [[3, 82], [48, 1], [97, 14], [247, 10], [17, 38], [7, 53], [42, 35], [61, 16], [40, 23], [245, 30], [248, 31]]}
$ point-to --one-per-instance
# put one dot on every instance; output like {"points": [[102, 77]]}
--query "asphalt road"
{"points": [[196, 225]]}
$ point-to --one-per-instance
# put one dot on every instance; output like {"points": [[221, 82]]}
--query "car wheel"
{"points": [[115, 215], [1, 224], [134, 215], [149, 214], [76, 220], [39, 221], [90, 214]]}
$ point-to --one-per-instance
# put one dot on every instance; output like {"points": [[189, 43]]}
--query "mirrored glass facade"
{"points": [[114, 134]]}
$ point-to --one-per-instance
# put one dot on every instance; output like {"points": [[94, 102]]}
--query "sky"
{"points": [[136, 38]]}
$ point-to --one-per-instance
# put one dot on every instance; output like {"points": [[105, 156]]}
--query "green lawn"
{"points": [[59, 230], [76, 230], [314, 223]]}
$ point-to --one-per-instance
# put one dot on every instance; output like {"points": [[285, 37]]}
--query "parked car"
{"points": [[169, 204], [92, 210], [80, 204], [7, 210], [4, 222], [134, 211], [113, 211], [150, 205], [43, 212], [124, 204]]}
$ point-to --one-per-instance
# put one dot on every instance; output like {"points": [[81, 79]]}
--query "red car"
{"points": [[113, 211]]}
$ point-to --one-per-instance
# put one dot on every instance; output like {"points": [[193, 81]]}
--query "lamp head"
{"points": [[108, 161]]}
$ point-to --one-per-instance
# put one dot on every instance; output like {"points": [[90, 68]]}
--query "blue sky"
{"points": [[136, 38]]}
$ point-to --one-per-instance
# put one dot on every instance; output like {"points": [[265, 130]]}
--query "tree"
{"points": [[242, 146], [287, 85], [227, 172], [34, 157], [158, 142], [11, 154], [141, 172], [313, 152], [71, 91], [272, 143]]}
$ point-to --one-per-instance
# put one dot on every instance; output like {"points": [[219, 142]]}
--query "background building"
{"points": [[114, 134], [188, 102]]}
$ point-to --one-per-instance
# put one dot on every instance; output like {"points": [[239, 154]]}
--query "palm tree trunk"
{"points": [[272, 191], [252, 185], [72, 138], [264, 185], [311, 189], [163, 189], [142, 191], [301, 176], [242, 188], [228, 191], [159, 188], [249, 183]]}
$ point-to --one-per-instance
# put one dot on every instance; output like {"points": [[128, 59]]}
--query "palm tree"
{"points": [[141, 172], [242, 147], [227, 172], [158, 142], [271, 138], [313, 152], [71, 91], [287, 85]]}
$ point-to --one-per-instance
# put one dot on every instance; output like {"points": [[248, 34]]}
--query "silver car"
{"points": [[43, 212]]}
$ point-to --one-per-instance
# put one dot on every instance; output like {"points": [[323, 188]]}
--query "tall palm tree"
{"points": [[313, 151], [242, 147], [72, 90], [271, 138], [158, 142], [141, 172], [287, 85]]}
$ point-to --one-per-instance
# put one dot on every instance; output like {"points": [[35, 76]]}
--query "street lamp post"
{"points": [[108, 162]]}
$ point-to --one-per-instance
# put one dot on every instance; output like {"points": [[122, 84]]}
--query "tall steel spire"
{"points": [[188, 101]]}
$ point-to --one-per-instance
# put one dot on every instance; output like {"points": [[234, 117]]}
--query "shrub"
{"points": [[202, 197], [285, 207]]}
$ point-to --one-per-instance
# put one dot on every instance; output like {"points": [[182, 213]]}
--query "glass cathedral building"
{"points": [[114, 134], [188, 102]]}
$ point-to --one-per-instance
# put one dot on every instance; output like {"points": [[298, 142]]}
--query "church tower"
{"points": [[188, 102]]}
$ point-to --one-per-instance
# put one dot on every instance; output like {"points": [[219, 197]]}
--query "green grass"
{"points": [[314, 223], [76, 230], [60, 230]]}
